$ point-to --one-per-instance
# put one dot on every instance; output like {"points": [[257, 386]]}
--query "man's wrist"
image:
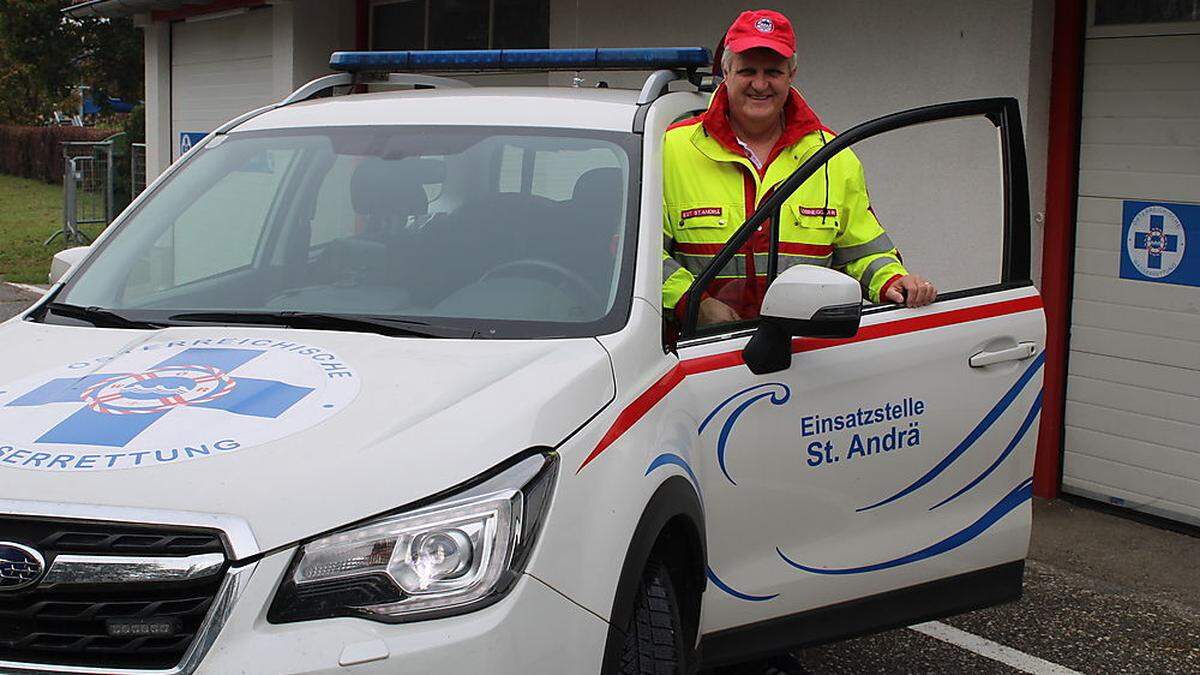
{"points": [[888, 284]]}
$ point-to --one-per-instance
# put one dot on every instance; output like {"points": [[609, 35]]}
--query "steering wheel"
{"points": [[583, 290]]}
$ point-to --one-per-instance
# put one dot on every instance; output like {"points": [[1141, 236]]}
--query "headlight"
{"points": [[458, 554]]}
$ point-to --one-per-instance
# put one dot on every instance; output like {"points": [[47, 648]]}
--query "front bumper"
{"points": [[532, 630]]}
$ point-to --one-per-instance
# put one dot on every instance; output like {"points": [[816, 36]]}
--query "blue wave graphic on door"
{"points": [[672, 459], [1012, 445], [712, 576], [986, 423], [1019, 495], [779, 395]]}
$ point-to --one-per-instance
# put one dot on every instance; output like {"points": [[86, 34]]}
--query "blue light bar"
{"points": [[655, 58]]}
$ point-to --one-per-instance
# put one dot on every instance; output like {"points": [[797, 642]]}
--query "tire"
{"points": [[655, 639]]}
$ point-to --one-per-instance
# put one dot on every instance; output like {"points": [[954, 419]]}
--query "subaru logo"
{"points": [[20, 566]]}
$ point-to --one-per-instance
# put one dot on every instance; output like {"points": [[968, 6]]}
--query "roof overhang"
{"points": [[115, 8]]}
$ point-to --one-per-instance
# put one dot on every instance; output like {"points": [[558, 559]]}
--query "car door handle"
{"points": [[1022, 351]]}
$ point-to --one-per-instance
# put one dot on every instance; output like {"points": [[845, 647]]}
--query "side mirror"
{"points": [[804, 300], [64, 260]]}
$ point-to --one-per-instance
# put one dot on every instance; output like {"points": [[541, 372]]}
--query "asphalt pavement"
{"points": [[1104, 593], [13, 300]]}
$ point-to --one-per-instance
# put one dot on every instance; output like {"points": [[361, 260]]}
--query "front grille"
{"points": [[74, 625]]}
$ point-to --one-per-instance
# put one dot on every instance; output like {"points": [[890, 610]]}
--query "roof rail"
{"points": [[656, 85], [321, 84]]}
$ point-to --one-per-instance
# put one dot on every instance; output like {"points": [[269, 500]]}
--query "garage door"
{"points": [[220, 68], [1133, 390]]}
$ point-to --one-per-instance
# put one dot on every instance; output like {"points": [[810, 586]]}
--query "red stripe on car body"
{"points": [[704, 364]]}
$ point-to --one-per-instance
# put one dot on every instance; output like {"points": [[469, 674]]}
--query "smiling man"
{"points": [[719, 166]]}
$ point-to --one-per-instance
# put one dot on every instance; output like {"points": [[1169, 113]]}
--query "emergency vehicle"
{"points": [[378, 382]]}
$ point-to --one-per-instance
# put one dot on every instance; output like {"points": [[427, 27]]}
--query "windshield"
{"points": [[511, 232]]}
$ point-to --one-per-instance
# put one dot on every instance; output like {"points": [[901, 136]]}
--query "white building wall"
{"points": [[1132, 433], [936, 189], [157, 45], [232, 64], [305, 33], [220, 67]]}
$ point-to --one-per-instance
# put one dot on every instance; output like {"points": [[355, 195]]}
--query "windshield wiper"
{"points": [[99, 316], [327, 321]]}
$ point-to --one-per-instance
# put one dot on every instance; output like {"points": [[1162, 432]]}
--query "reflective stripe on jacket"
{"points": [[710, 187]]}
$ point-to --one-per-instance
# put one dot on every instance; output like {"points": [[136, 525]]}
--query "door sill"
{"points": [[893, 609]]}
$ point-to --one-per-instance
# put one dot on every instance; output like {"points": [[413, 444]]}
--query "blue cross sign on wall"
{"points": [[1155, 238]]}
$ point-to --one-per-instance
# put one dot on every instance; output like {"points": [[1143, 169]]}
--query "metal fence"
{"points": [[137, 169], [87, 188]]}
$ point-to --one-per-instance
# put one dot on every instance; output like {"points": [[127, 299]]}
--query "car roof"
{"points": [[556, 107]]}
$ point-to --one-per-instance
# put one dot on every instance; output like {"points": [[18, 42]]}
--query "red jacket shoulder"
{"points": [[691, 121]]}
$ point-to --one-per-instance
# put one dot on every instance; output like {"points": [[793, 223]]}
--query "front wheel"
{"points": [[655, 641]]}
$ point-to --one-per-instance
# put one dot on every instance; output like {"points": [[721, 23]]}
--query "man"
{"points": [[719, 166]]}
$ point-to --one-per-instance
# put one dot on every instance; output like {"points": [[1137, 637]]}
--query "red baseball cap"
{"points": [[761, 28]]}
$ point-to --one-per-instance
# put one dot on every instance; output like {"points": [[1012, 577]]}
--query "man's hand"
{"points": [[911, 290], [713, 311]]}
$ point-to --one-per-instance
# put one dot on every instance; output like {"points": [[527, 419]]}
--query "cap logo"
{"points": [[764, 25]]}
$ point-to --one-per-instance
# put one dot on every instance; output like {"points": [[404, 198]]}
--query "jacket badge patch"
{"points": [[816, 211], [704, 211]]}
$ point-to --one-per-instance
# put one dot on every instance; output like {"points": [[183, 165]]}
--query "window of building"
{"points": [[460, 24], [1114, 12]]}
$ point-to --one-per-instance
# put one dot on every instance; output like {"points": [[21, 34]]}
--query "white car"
{"points": [[379, 383]]}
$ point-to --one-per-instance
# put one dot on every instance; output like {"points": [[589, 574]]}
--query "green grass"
{"points": [[30, 211]]}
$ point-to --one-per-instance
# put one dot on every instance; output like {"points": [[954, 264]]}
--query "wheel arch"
{"points": [[671, 529]]}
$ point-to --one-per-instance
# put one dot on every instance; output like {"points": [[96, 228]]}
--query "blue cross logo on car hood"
{"points": [[139, 408], [113, 414]]}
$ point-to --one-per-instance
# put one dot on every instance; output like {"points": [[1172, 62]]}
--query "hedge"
{"points": [[35, 152]]}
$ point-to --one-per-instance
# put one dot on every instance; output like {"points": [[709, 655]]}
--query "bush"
{"points": [[134, 124], [35, 152], [133, 130]]}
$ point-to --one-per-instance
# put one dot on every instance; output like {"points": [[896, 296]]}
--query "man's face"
{"points": [[758, 84]]}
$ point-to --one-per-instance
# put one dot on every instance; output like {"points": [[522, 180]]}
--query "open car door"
{"points": [[881, 476]]}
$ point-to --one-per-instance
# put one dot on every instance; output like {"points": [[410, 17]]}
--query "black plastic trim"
{"points": [[894, 609], [675, 497], [769, 350]]}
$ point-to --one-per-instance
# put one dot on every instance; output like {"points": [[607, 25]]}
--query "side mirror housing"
{"points": [[64, 260], [804, 300]]}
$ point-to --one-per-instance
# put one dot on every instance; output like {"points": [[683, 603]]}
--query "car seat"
{"points": [[595, 217], [385, 194]]}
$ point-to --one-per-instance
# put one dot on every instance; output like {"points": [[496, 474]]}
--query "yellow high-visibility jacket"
{"points": [[710, 186]]}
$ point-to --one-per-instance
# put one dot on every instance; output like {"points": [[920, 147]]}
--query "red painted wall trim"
{"points": [[199, 10], [703, 364], [1058, 247]]}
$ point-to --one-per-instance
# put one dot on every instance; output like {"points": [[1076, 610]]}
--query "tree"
{"points": [[44, 55], [110, 58]]}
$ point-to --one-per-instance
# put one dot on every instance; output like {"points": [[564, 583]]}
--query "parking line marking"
{"points": [[991, 650]]}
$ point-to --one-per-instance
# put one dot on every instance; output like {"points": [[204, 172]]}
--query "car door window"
{"points": [[946, 230]]}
